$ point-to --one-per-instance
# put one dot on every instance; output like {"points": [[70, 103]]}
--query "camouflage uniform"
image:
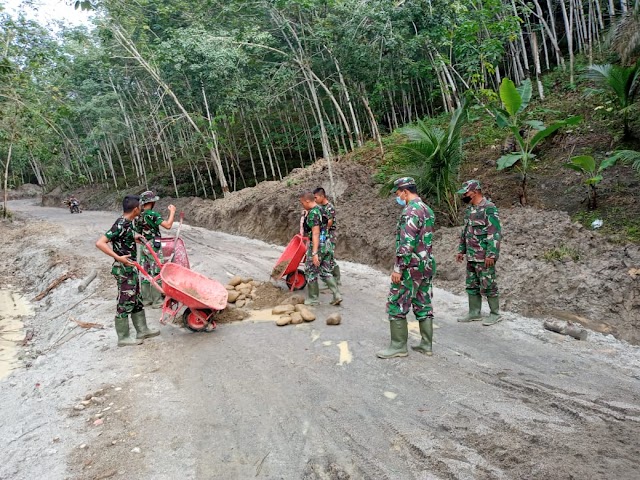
{"points": [[315, 218], [414, 261], [480, 239], [329, 213], [121, 236], [148, 225]]}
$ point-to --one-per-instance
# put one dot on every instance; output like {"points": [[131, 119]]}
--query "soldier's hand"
{"points": [[489, 262], [172, 208], [126, 260], [459, 257], [137, 237], [316, 260], [396, 277]]}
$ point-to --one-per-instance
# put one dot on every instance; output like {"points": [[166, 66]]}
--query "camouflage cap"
{"points": [[403, 183], [148, 197], [469, 186]]}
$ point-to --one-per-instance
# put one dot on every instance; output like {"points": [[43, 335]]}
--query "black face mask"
{"points": [[466, 199]]}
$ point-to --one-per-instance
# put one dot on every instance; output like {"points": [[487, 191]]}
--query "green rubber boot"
{"points": [[475, 305], [313, 292], [494, 317], [336, 274], [139, 320], [122, 329], [426, 332], [156, 297], [146, 294], [399, 337], [333, 286]]}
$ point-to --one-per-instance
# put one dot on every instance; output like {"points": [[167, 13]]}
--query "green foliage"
{"points": [[629, 157], [624, 82], [591, 174], [515, 101], [433, 156], [561, 253]]}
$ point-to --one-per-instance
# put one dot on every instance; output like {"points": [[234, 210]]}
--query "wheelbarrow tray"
{"points": [[192, 289], [170, 245], [291, 257]]}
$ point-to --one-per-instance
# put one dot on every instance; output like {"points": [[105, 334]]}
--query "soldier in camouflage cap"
{"points": [[148, 225], [412, 272], [122, 238], [480, 243]]}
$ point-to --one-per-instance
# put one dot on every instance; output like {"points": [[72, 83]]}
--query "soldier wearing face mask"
{"points": [[480, 243], [412, 272]]}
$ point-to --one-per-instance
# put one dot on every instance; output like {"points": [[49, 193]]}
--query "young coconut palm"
{"points": [[625, 83], [433, 157]]}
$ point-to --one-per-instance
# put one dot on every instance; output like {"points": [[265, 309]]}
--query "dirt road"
{"points": [[252, 400]]}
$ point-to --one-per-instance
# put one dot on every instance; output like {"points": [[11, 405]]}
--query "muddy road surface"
{"points": [[311, 401]]}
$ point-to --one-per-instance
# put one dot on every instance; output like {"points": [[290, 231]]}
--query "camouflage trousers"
{"points": [[414, 290], [149, 264], [481, 280], [326, 265], [129, 300]]}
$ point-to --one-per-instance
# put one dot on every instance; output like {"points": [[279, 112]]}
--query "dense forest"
{"points": [[221, 95]]}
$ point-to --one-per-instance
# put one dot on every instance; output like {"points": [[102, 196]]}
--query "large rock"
{"points": [[334, 319], [243, 286], [306, 314], [233, 296], [284, 320], [296, 318], [236, 280], [282, 309]]}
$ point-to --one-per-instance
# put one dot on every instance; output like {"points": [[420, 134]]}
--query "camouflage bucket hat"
{"points": [[403, 183], [469, 186], [148, 197]]}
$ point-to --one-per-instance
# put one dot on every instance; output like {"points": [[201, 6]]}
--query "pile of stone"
{"points": [[293, 314], [241, 290]]}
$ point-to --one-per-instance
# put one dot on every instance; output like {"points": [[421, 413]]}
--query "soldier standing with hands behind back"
{"points": [[412, 272], [480, 242]]}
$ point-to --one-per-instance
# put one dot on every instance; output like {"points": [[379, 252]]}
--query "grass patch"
{"points": [[621, 225], [561, 253]]}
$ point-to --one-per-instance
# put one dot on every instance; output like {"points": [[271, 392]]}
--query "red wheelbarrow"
{"points": [[288, 263], [200, 296]]}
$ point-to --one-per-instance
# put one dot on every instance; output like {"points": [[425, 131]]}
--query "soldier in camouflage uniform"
{"points": [[148, 225], [318, 263], [480, 242], [412, 272], [329, 212], [122, 238]]}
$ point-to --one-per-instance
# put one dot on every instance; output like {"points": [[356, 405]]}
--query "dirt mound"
{"points": [[268, 295], [28, 190], [550, 265]]}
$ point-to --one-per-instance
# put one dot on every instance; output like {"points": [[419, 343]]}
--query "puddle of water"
{"points": [[345, 354], [265, 315], [12, 306]]}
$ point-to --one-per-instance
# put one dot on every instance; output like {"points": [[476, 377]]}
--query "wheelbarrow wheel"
{"points": [[193, 322], [296, 280]]}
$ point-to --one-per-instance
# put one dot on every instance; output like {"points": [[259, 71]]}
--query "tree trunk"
{"points": [[5, 212]]}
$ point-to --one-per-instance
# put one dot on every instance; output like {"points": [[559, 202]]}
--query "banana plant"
{"points": [[515, 100], [591, 174]]}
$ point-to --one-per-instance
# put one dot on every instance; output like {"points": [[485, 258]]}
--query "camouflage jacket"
{"points": [[414, 235], [329, 213], [148, 224], [315, 219], [480, 236], [121, 236]]}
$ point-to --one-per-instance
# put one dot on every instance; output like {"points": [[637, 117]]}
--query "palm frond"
{"points": [[630, 157]]}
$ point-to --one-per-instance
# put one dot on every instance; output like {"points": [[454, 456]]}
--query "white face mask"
{"points": [[401, 202]]}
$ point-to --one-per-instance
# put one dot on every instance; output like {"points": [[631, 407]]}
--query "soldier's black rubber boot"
{"points": [[426, 334], [494, 317], [146, 293], [336, 274], [399, 336], [122, 329], [313, 292], [139, 320], [475, 306], [333, 286]]}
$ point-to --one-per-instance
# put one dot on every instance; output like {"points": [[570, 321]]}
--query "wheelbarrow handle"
{"points": [[146, 275], [175, 240]]}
